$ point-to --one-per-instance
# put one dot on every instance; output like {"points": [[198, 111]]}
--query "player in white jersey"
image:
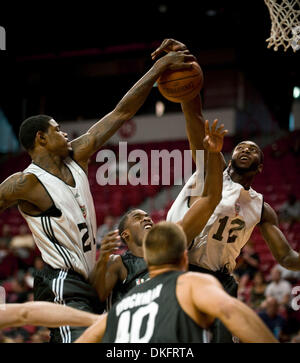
{"points": [[240, 210], [53, 196]]}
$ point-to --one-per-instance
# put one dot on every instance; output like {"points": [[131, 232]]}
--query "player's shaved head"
{"points": [[164, 244]]}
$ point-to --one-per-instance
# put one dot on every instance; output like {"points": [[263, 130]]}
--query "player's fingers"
{"points": [[214, 125], [206, 127], [110, 247], [224, 133], [220, 128]]}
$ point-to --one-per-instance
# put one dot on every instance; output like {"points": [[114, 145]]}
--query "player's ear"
{"points": [[125, 235], [260, 168], [185, 260], [40, 138]]}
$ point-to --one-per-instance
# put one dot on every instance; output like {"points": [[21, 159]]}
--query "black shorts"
{"points": [[69, 288], [220, 333]]}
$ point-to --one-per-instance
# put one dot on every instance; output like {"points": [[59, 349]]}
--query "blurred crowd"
{"points": [[272, 294]]}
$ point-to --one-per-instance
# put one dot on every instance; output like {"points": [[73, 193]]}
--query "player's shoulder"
{"points": [[268, 214], [21, 180], [199, 277]]}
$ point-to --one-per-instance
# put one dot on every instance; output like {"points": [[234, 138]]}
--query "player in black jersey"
{"points": [[174, 306], [121, 273]]}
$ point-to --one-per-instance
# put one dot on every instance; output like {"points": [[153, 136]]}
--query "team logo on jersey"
{"points": [[83, 210], [139, 281], [237, 208]]}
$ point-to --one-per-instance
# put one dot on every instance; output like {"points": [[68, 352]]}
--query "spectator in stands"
{"points": [[248, 264], [8, 262], [108, 226], [291, 276], [6, 234], [278, 288], [290, 210], [296, 338], [257, 291], [23, 247], [271, 317]]}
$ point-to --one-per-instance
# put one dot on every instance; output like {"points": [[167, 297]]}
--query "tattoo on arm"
{"points": [[11, 190]]}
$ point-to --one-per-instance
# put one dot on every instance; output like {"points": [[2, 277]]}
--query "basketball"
{"points": [[182, 85]]}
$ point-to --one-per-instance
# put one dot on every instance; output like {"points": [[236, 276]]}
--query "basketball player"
{"points": [[53, 196], [174, 306], [240, 210], [118, 274], [42, 313]]}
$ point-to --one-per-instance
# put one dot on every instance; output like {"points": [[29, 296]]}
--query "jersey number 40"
{"points": [[130, 326]]}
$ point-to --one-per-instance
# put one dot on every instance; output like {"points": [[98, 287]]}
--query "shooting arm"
{"points": [[275, 239], [195, 127], [44, 314], [197, 216], [242, 321], [95, 333]]}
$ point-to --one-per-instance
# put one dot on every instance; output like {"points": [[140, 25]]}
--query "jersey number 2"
{"points": [[85, 237], [231, 237]]}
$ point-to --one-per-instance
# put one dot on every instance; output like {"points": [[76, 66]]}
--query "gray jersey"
{"points": [[229, 227], [68, 241]]}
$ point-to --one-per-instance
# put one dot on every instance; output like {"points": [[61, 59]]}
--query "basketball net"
{"points": [[285, 29]]}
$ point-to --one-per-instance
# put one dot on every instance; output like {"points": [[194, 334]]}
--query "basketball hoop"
{"points": [[285, 28]]}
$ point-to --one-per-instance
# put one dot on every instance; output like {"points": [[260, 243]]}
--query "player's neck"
{"points": [[245, 180], [50, 162], [136, 250], [158, 270]]}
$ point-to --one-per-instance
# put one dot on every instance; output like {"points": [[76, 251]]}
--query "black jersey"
{"points": [[137, 273], [150, 313]]}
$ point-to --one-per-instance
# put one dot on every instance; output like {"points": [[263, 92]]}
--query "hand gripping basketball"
{"points": [[168, 45]]}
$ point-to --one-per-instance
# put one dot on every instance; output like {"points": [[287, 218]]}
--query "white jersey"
{"points": [[68, 241], [229, 227]]}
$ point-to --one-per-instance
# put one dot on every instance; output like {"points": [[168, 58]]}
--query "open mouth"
{"points": [[148, 226], [244, 158]]}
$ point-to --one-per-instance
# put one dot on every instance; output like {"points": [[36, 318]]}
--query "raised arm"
{"points": [[44, 314], [195, 122], [203, 206], [275, 239], [86, 145], [210, 298]]}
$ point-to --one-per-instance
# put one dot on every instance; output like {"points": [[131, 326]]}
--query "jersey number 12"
{"points": [[239, 224]]}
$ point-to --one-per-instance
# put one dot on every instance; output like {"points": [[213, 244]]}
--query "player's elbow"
{"points": [[23, 315], [214, 199], [122, 113], [227, 309]]}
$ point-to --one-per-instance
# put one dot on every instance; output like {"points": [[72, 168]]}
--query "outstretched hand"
{"points": [[214, 137], [168, 45]]}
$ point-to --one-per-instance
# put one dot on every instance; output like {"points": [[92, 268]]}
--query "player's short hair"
{"points": [[164, 244], [123, 223], [29, 129]]}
